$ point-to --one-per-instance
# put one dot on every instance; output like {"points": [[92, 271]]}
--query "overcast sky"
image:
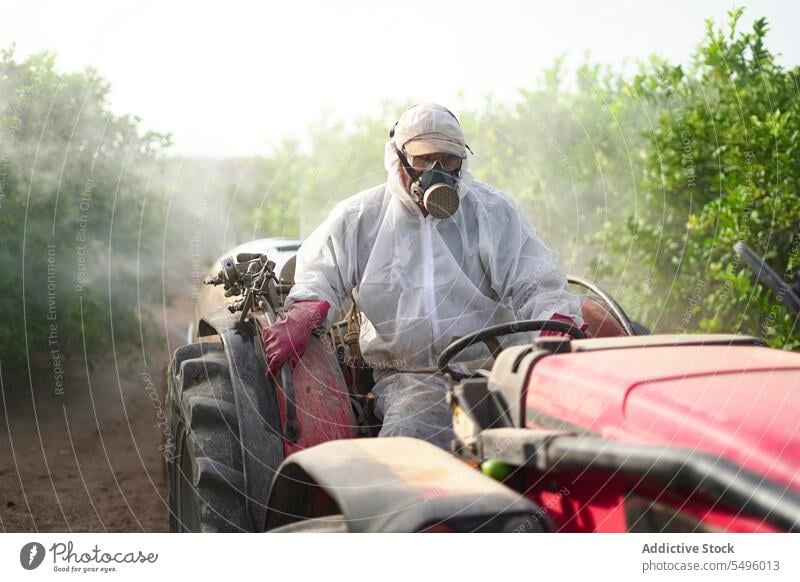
{"points": [[231, 78]]}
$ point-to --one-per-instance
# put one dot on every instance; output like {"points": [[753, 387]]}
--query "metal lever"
{"points": [[769, 278], [291, 429]]}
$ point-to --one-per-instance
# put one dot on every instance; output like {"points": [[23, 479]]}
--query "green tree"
{"points": [[721, 166], [80, 224]]}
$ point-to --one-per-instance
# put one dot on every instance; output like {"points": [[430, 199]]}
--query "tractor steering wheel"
{"points": [[496, 331]]}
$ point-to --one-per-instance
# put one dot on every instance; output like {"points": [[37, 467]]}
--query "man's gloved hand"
{"points": [[564, 319], [287, 339]]}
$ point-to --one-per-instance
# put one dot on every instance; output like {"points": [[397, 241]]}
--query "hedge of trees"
{"points": [[81, 220], [721, 166], [642, 182]]}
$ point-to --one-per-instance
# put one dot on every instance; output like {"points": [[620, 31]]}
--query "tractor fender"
{"points": [[322, 403], [394, 484]]}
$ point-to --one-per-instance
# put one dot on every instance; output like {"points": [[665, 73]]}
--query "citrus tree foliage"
{"points": [[79, 226], [721, 166], [567, 150]]}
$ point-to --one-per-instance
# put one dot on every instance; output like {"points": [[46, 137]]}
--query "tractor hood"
{"points": [[737, 401]]}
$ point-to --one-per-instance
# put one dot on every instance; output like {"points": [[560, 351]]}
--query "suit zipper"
{"points": [[428, 288]]}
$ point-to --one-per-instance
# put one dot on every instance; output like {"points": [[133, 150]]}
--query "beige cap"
{"points": [[428, 128]]}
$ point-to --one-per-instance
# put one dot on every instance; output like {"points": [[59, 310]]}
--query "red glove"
{"points": [[288, 338], [564, 319]]}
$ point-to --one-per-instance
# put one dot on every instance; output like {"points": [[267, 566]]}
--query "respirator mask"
{"points": [[435, 187], [430, 146]]}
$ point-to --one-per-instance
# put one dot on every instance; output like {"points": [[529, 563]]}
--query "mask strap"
{"points": [[412, 173], [404, 160]]}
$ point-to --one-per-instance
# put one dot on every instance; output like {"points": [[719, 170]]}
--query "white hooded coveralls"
{"points": [[421, 281]]}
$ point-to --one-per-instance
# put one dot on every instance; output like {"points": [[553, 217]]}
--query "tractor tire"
{"points": [[204, 472]]}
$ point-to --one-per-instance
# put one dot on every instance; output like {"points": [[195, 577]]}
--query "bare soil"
{"points": [[89, 460]]}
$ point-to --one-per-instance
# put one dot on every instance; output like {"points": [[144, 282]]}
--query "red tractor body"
{"points": [[737, 402], [740, 402]]}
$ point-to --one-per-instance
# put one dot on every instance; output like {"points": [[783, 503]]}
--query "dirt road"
{"points": [[89, 460]]}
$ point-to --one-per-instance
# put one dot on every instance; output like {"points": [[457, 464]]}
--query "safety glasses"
{"points": [[422, 163]]}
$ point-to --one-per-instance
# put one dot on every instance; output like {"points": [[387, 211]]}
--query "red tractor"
{"points": [[622, 432]]}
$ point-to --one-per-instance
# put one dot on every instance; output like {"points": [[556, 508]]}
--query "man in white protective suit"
{"points": [[432, 255]]}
